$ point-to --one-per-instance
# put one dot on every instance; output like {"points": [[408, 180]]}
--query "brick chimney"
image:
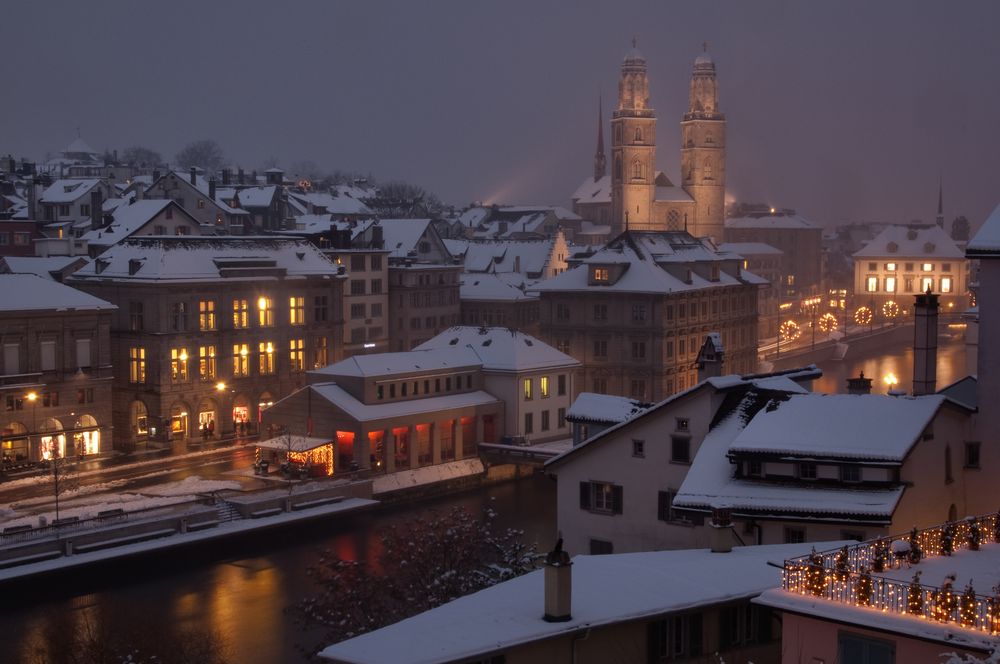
{"points": [[558, 585], [859, 385], [239, 176], [194, 175], [925, 342], [226, 177]]}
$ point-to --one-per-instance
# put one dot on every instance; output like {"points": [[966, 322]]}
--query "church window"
{"points": [[674, 221], [708, 170], [638, 134], [709, 139], [636, 170]]}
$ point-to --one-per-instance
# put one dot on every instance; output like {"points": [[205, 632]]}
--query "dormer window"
{"points": [[602, 275]]}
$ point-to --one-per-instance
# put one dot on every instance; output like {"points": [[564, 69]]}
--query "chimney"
{"points": [[925, 331], [194, 175], [378, 239], [722, 530], [859, 385], [517, 264], [558, 585], [96, 211], [32, 199], [226, 177], [239, 176], [211, 188]]}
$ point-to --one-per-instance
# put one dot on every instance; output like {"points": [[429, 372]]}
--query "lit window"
{"points": [[321, 354], [927, 267], [601, 274], [137, 364], [178, 364], [527, 389], [890, 267], [871, 284], [543, 387], [241, 360], [241, 314], [926, 284], [206, 315], [265, 312], [945, 284], [890, 284], [297, 354], [266, 358], [297, 310], [206, 362]]}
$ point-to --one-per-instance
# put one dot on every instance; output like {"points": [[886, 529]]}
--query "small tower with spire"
{"points": [[940, 214], [703, 150], [600, 163], [633, 148]]}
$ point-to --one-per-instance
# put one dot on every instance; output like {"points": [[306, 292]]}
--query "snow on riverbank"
{"points": [[84, 505]]}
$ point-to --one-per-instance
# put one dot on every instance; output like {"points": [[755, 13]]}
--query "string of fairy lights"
{"points": [[846, 575]]}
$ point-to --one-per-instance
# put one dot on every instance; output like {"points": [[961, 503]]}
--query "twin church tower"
{"points": [[641, 198]]}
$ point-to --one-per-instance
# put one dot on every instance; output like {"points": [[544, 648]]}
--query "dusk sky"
{"points": [[844, 111]]}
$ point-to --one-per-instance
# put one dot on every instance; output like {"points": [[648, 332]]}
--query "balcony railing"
{"points": [[852, 575]]}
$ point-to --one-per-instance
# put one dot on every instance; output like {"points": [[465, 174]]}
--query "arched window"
{"points": [[707, 170], [638, 134], [636, 170]]}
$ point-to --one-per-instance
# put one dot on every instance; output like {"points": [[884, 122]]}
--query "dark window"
{"points": [[320, 308], [850, 473], [601, 547], [794, 535], [600, 312], [863, 650], [755, 468], [135, 316], [743, 625], [972, 455], [545, 420], [676, 637], [638, 448], [561, 385], [807, 471], [601, 497], [561, 414], [680, 449]]}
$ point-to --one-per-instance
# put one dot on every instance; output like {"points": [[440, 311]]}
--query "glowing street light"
{"points": [[220, 386], [890, 381]]}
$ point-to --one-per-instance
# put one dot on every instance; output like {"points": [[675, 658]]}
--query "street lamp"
{"points": [[32, 397]]}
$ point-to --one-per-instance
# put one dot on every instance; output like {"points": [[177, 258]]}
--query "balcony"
{"points": [[884, 575]]}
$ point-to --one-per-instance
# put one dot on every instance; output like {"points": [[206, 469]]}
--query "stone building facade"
{"points": [[211, 331], [635, 313], [55, 380]]}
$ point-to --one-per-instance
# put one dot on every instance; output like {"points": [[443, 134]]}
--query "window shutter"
{"points": [[585, 495], [694, 634], [48, 355], [616, 499], [653, 631]]}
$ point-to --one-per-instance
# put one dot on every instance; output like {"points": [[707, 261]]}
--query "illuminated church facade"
{"points": [[634, 195]]}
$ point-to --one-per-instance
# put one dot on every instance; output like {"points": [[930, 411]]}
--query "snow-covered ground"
{"points": [[87, 501]]}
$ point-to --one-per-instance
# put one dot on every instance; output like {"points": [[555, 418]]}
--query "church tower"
{"points": [[703, 152], [600, 165], [633, 149]]}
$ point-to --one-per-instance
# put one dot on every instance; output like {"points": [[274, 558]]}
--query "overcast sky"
{"points": [[843, 110]]}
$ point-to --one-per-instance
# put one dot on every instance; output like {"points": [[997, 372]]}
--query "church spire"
{"points": [[940, 214], [600, 163]]}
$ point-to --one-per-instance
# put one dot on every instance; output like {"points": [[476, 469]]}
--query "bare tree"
{"points": [[138, 155], [206, 154], [402, 200], [422, 563]]}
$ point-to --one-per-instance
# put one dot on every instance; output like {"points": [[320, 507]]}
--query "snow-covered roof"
{"points": [[710, 482], [79, 146], [130, 218], [67, 191], [604, 408], [646, 256], [912, 242], [195, 258], [747, 249], [485, 286], [778, 220], [41, 266], [400, 236], [986, 242], [594, 192], [840, 426], [964, 391], [363, 412], [501, 348], [256, 197], [607, 590], [473, 216], [406, 362], [30, 292], [982, 567], [672, 194], [294, 443], [334, 204]]}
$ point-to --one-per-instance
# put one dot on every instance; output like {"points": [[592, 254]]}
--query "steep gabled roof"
{"points": [[501, 349]]}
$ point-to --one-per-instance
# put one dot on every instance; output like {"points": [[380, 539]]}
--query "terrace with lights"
{"points": [[939, 584]]}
